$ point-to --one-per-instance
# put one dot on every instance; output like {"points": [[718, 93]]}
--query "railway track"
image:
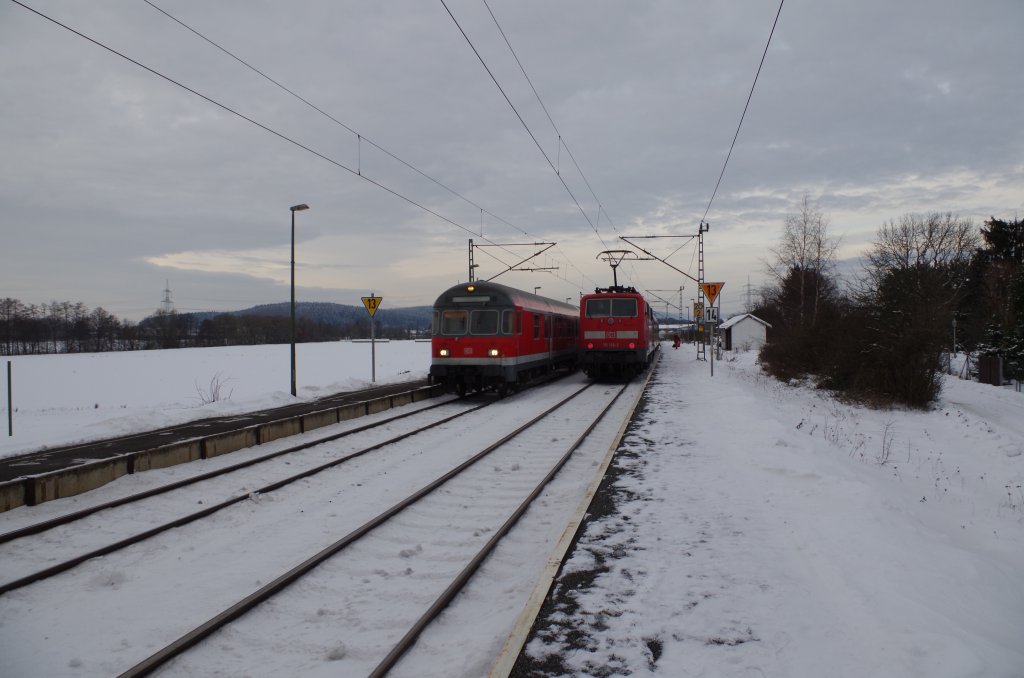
{"points": [[286, 458], [397, 548]]}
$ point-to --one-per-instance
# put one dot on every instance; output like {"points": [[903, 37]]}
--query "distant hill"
{"points": [[411, 318]]}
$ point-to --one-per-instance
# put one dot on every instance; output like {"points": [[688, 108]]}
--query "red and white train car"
{"points": [[618, 332], [487, 335]]}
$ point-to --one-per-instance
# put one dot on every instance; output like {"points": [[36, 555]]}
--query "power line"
{"points": [[324, 113], [358, 135], [521, 120], [269, 129], [739, 126], [561, 139], [744, 115]]}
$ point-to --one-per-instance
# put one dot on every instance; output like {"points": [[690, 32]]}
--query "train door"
{"points": [[549, 336]]}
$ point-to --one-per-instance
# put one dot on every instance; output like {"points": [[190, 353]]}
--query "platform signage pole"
{"points": [[711, 291], [372, 303]]}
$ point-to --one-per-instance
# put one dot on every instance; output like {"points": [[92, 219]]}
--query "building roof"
{"points": [[736, 319]]}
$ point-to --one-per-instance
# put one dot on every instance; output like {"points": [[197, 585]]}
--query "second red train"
{"points": [[618, 333]]}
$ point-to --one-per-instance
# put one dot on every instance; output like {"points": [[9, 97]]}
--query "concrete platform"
{"points": [[55, 473]]}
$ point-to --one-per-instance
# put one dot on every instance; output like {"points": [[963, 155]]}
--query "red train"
{"points": [[618, 333], [487, 335]]}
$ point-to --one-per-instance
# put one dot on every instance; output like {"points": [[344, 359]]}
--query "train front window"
{"points": [[433, 324], [611, 308], [624, 308], [599, 308], [483, 322], [454, 322]]}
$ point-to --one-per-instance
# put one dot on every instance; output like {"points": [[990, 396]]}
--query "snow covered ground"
{"points": [[62, 399], [761, 529], [752, 529]]}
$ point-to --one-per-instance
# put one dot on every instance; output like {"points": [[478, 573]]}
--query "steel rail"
{"points": [[459, 583], [192, 517], [44, 525], [206, 629]]}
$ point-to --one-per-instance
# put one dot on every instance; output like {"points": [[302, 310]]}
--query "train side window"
{"points": [[434, 323], [483, 322], [599, 308], [508, 322], [536, 326], [454, 322], [519, 322], [624, 308]]}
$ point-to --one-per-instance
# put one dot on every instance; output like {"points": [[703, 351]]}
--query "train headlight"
{"points": [[443, 353], [493, 353]]}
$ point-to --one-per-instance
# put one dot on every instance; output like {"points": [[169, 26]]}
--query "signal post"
{"points": [[372, 303], [711, 290]]}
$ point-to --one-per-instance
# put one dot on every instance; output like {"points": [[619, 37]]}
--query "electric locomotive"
{"points": [[487, 335], [618, 332]]}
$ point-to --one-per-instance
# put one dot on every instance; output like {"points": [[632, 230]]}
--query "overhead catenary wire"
{"points": [[739, 126], [521, 120], [264, 127], [561, 139], [361, 138], [595, 225], [744, 114]]}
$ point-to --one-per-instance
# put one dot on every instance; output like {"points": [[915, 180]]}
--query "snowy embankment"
{"points": [[761, 529], [63, 399]]}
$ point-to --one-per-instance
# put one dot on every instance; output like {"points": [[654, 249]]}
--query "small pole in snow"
{"points": [[10, 406], [712, 350]]}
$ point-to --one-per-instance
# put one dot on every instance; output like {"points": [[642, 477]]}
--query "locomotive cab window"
{"points": [[624, 308], [454, 322], [611, 308], [483, 322], [599, 308]]}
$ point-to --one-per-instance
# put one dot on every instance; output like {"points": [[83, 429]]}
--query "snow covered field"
{"points": [[756, 528], [61, 399]]}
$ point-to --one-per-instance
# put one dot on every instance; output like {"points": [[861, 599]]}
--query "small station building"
{"points": [[744, 332]]}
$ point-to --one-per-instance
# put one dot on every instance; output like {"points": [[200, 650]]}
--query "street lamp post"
{"points": [[294, 209], [535, 289]]}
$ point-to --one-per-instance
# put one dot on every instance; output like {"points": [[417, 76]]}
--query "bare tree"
{"points": [[804, 259], [937, 241], [915, 275]]}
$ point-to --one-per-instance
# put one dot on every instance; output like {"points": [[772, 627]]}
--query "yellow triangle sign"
{"points": [[711, 290], [372, 303]]}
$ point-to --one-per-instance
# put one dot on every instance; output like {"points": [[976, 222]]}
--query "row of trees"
{"points": [[66, 327], [63, 327], [885, 335]]}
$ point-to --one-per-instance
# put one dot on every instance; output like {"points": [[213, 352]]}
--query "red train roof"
{"points": [[495, 294]]}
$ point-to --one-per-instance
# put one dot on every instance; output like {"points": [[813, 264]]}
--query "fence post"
{"points": [[10, 406]]}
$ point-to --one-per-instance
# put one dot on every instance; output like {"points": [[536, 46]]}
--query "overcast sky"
{"points": [[116, 182]]}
